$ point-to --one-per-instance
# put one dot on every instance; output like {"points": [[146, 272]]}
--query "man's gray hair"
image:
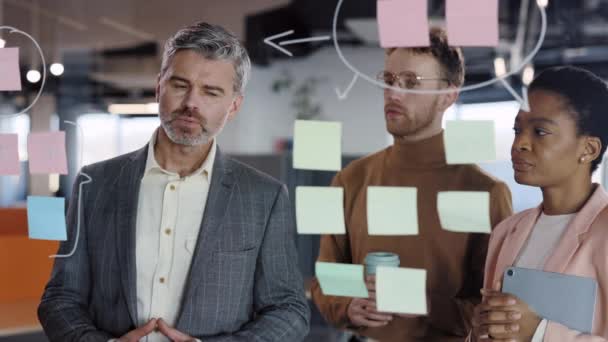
{"points": [[212, 42]]}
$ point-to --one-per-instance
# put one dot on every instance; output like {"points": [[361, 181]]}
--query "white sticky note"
{"points": [[469, 141], [317, 145], [320, 210], [464, 211], [344, 280], [401, 290], [392, 210]]}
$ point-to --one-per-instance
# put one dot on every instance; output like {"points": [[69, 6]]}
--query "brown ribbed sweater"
{"points": [[454, 261]]}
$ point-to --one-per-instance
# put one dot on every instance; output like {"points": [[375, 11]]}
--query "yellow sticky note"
{"points": [[392, 210], [469, 141], [317, 145], [464, 211], [320, 210], [341, 279], [401, 290]]}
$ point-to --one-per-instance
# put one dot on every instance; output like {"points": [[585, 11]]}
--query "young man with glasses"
{"points": [[454, 261]]}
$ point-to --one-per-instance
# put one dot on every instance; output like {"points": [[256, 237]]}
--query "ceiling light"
{"points": [[500, 66], [33, 76], [57, 69], [528, 75]]}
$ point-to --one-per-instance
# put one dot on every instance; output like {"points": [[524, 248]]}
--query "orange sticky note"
{"points": [[403, 23], [472, 22], [9, 154], [10, 77], [47, 154]]}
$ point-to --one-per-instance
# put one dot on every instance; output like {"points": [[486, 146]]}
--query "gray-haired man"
{"points": [[177, 241]]}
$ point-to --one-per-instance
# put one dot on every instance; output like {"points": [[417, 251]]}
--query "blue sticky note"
{"points": [[46, 218]]}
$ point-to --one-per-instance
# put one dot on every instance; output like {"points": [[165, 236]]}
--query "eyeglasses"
{"points": [[404, 80]]}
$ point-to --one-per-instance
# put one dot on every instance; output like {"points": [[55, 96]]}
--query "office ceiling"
{"points": [[121, 39]]}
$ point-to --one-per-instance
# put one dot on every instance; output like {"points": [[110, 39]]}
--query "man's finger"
{"points": [[171, 333], [371, 324], [378, 316], [174, 334], [372, 309], [371, 306], [366, 303], [144, 330]]}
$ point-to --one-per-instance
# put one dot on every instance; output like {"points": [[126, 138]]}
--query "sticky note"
{"points": [[46, 218], [9, 69], [317, 145], [344, 280], [47, 154], [472, 22], [392, 210], [403, 23], [401, 290], [464, 211], [469, 141], [9, 154], [320, 210]]}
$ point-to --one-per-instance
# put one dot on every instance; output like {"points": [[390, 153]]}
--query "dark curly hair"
{"points": [[586, 96], [450, 58]]}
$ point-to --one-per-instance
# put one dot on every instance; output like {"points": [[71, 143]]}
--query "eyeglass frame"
{"points": [[398, 77]]}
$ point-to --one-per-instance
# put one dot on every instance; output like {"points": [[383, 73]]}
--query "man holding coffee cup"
{"points": [[454, 261]]}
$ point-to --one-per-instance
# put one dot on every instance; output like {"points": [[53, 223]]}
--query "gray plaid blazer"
{"points": [[243, 285]]}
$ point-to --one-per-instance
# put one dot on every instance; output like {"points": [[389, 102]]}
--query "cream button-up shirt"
{"points": [[169, 215]]}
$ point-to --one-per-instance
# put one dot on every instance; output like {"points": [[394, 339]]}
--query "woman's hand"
{"points": [[503, 317]]}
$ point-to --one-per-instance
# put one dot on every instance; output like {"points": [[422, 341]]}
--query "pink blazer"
{"points": [[582, 251]]}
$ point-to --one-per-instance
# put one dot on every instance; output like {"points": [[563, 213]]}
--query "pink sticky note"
{"points": [[46, 152], [10, 77], [403, 23], [472, 22], [9, 154]]}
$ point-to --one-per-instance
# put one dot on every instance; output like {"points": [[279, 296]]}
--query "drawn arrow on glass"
{"points": [[269, 41], [344, 94], [523, 100]]}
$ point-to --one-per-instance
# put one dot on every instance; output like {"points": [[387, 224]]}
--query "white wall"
{"points": [[266, 116]]}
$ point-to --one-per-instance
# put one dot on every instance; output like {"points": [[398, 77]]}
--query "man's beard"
{"points": [[416, 123], [181, 137]]}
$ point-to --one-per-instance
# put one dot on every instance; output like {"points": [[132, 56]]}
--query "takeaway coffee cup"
{"points": [[375, 259]]}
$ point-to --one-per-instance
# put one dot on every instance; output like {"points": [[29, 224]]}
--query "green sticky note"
{"points": [[401, 290], [317, 145], [392, 210], [464, 211], [469, 141], [320, 210], [344, 280]]}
